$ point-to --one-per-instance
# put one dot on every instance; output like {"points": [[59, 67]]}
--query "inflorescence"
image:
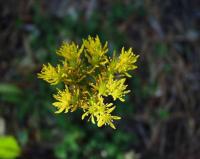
{"points": [[89, 76]]}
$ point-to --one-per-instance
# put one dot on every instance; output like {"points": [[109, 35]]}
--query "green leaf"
{"points": [[60, 151], [10, 93], [6, 88], [9, 148]]}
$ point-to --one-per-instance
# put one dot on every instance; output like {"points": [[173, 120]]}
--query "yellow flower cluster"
{"points": [[90, 76]]}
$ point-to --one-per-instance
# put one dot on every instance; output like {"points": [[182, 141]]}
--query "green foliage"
{"points": [[69, 144], [9, 148], [10, 93]]}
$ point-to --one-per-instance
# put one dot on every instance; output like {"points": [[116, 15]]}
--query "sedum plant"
{"points": [[89, 77]]}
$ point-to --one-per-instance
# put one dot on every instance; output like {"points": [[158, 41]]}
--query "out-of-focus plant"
{"points": [[89, 76], [9, 148], [10, 93]]}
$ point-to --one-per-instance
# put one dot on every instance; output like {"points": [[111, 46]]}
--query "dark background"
{"points": [[161, 116]]}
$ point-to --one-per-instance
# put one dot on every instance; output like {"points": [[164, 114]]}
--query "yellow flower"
{"points": [[52, 75], [107, 118], [99, 111], [89, 76], [126, 62], [100, 85], [64, 100], [92, 112], [94, 106], [71, 52], [95, 51], [117, 89]]}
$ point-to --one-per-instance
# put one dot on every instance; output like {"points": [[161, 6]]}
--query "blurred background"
{"points": [[160, 118]]}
